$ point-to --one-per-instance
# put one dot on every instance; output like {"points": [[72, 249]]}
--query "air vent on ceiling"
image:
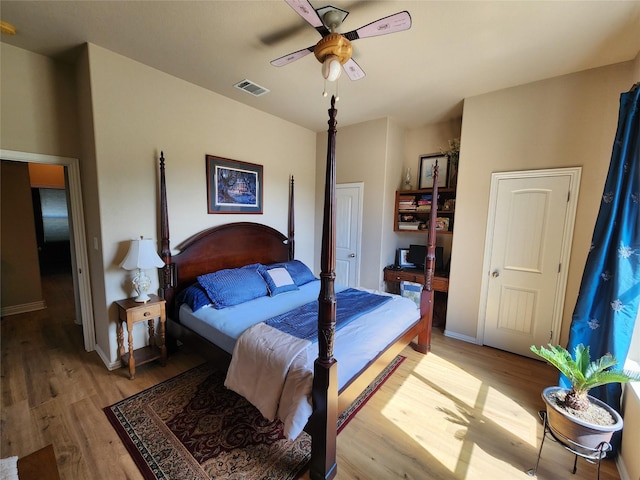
{"points": [[251, 87]]}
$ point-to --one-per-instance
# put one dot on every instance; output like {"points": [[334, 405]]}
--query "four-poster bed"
{"points": [[233, 246]]}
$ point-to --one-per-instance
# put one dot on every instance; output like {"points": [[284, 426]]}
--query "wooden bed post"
{"points": [[325, 377], [426, 298], [291, 233], [166, 286]]}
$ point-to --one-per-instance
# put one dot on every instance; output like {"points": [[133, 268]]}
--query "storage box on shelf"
{"points": [[413, 208]]}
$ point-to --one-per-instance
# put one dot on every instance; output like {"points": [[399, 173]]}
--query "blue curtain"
{"points": [[607, 303]]}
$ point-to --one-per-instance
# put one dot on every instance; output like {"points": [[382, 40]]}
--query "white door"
{"points": [[531, 229], [348, 233]]}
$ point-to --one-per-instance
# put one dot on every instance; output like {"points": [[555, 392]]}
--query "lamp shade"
{"points": [[142, 254]]}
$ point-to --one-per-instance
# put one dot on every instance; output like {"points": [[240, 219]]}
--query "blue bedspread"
{"points": [[303, 321]]}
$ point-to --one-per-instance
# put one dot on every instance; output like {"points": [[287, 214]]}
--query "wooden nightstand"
{"points": [[132, 312]]}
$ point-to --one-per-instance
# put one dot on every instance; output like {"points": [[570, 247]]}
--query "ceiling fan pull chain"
{"points": [[324, 91]]}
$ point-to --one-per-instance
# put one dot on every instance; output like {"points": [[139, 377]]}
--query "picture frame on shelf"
{"points": [[427, 162], [442, 223], [233, 186], [401, 258]]}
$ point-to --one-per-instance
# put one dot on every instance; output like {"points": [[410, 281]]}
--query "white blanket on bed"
{"points": [[271, 369]]}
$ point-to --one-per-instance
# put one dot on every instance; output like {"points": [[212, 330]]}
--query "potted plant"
{"points": [[576, 418]]}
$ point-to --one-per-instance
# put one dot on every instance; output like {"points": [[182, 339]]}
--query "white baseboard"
{"points": [[458, 336], [23, 308], [105, 359], [622, 469]]}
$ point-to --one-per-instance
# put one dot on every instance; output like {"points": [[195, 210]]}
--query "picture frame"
{"points": [[233, 186], [427, 162], [401, 258], [442, 223]]}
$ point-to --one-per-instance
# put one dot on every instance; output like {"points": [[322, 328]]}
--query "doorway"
{"points": [[49, 195], [78, 247], [348, 233], [527, 250]]}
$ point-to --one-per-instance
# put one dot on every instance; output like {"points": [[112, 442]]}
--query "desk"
{"points": [[439, 283]]}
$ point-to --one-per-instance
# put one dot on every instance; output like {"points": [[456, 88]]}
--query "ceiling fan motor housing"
{"points": [[333, 44]]}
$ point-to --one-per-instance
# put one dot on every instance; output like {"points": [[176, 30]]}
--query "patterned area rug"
{"points": [[192, 427]]}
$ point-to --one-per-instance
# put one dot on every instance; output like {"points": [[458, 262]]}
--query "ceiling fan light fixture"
{"points": [[333, 44], [331, 68]]}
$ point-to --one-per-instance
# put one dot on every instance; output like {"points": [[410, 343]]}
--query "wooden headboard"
{"points": [[230, 245]]}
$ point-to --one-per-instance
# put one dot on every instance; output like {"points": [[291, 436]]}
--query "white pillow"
{"points": [[278, 280]]}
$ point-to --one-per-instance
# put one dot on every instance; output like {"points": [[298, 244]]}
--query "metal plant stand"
{"points": [[591, 455]]}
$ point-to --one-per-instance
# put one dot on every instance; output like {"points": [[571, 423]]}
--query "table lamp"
{"points": [[141, 256]]}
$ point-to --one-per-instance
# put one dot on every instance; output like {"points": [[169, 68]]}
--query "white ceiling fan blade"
{"points": [[291, 57], [391, 24], [306, 11], [353, 70]]}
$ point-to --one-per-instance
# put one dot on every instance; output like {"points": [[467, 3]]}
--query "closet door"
{"points": [[527, 262]]}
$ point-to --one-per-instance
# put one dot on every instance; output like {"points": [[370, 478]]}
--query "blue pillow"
{"points": [[194, 296], [298, 271], [233, 286], [278, 279]]}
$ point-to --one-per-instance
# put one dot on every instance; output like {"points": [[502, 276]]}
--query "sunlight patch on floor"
{"points": [[463, 412]]}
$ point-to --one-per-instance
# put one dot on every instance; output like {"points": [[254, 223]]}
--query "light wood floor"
{"points": [[461, 412]]}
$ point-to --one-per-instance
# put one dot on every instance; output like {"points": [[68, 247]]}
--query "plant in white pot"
{"points": [[578, 419]]}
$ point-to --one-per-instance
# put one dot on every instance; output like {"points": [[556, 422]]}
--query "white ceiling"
{"points": [[420, 76]]}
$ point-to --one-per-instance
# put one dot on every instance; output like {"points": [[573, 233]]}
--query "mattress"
{"points": [[355, 344]]}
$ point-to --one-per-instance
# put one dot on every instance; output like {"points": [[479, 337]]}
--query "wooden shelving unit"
{"points": [[413, 207]]}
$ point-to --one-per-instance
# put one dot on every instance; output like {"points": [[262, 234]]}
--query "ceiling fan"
{"points": [[334, 49]]}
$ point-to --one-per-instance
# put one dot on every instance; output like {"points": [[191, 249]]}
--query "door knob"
{"points": [[495, 274], [352, 255]]}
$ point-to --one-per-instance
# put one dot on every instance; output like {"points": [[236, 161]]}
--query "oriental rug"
{"points": [[192, 427]]}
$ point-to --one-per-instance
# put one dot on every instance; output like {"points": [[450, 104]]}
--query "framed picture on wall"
{"points": [[233, 186], [427, 162]]}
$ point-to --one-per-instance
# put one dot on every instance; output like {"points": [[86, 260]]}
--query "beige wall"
{"points": [[426, 140], [38, 112], [91, 205], [395, 152], [561, 122], [365, 152], [20, 270], [361, 154], [139, 111]]}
